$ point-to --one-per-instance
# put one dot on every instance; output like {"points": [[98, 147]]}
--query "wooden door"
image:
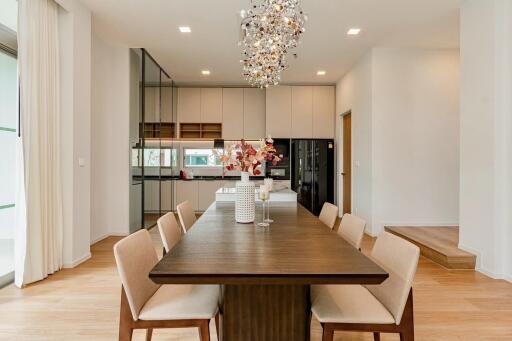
{"points": [[347, 163]]}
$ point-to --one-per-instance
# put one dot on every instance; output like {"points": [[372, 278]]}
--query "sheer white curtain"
{"points": [[39, 226]]}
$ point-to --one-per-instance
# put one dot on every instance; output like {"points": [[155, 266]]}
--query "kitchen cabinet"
{"points": [[211, 105], [232, 113], [167, 101], [189, 105], [324, 115], [188, 190], [302, 112], [279, 111], [151, 195], [167, 195], [207, 191], [254, 113], [152, 104]]}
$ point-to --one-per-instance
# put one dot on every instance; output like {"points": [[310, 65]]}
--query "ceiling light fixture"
{"points": [[270, 29], [320, 73], [185, 29], [206, 72], [353, 31]]}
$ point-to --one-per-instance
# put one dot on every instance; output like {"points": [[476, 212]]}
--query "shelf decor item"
{"points": [[247, 159]]}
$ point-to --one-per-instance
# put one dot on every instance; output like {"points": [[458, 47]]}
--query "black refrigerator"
{"points": [[312, 172]]}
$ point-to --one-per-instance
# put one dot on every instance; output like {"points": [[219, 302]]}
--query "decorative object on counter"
{"points": [[264, 196], [245, 204], [270, 29], [269, 184], [245, 158]]}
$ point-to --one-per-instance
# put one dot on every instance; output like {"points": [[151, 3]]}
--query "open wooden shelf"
{"points": [[158, 130], [201, 130]]}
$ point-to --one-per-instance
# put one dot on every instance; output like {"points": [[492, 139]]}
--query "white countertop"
{"points": [[228, 194]]}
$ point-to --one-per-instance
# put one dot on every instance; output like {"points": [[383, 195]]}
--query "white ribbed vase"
{"points": [[245, 201]]}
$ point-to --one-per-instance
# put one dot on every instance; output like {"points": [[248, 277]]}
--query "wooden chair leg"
{"points": [[217, 325], [407, 322], [149, 334], [204, 330], [125, 319], [328, 332], [376, 336]]}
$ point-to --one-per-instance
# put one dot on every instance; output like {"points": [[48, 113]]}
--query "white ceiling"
{"points": [[213, 43]]}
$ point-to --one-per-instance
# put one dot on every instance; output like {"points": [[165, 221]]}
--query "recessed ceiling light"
{"points": [[320, 73], [185, 29], [205, 72], [353, 31]]}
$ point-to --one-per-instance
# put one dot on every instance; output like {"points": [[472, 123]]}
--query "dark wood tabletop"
{"points": [[297, 249]]}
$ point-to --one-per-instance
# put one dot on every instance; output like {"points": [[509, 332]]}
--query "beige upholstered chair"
{"points": [[146, 305], [383, 308], [328, 214], [170, 231], [352, 229], [186, 215]]}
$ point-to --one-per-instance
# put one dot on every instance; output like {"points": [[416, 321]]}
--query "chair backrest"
{"points": [[352, 229], [186, 215], [400, 259], [170, 231], [328, 214], [135, 257]]}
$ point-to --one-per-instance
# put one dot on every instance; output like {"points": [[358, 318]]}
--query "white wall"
{"points": [[404, 105], [75, 56], [415, 137], [486, 135], [354, 93], [110, 110]]}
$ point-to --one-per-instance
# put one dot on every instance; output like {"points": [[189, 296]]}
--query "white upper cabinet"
{"points": [[302, 111], [232, 113], [189, 105], [166, 94], [211, 105], [324, 115], [152, 104], [254, 113], [279, 111]]}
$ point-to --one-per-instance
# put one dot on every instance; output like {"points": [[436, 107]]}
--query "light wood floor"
{"points": [[83, 304]]}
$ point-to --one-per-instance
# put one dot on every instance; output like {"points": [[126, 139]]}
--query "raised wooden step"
{"points": [[439, 244]]}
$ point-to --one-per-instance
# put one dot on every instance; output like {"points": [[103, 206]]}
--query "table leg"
{"points": [[266, 313]]}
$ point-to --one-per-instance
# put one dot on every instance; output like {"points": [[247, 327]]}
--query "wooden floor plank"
{"points": [[83, 304]]}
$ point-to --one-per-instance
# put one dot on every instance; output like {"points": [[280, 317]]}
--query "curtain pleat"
{"points": [[39, 222]]}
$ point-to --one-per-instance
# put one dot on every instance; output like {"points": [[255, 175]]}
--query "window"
{"points": [[201, 158], [155, 157]]}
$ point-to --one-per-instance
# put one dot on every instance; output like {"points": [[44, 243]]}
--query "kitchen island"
{"points": [[228, 194]]}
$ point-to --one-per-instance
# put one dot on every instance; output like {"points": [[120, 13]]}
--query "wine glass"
{"points": [[264, 195]]}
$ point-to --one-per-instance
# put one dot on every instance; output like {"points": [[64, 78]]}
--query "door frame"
{"points": [[339, 156]]}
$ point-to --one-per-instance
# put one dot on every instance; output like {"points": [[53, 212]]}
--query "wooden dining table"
{"points": [[265, 273]]}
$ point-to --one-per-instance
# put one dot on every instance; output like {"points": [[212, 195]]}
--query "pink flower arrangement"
{"points": [[245, 158]]}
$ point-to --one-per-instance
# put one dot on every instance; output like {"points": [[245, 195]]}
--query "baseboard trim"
{"points": [[482, 270], [105, 236], [77, 261]]}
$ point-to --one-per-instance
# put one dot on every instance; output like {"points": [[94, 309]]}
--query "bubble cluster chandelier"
{"points": [[270, 29]]}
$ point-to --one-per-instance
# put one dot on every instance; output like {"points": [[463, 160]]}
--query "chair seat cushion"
{"points": [[347, 304], [182, 302]]}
